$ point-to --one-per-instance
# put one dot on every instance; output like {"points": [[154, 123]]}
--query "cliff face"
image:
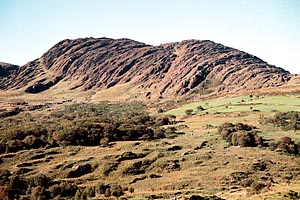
{"points": [[180, 68]]}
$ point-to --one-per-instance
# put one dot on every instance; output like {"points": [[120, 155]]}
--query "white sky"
{"points": [[269, 29]]}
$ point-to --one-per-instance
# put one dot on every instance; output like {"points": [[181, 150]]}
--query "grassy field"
{"points": [[242, 104], [197, 162]]}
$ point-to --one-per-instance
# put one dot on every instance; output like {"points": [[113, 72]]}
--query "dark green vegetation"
{"points": [[285, 120], [43, 187], [240, 135], [75, 124], [80, 124], [245, 136]]}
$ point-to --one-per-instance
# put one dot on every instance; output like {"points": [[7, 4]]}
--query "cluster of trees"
{"points": [[246, 136], [42, 187], [240, 135], [286, 145], [285, 120], [81, 124]]}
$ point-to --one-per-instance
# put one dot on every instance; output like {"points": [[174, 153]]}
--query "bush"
{"points": [[104, 142], [68, 189], [101, 188], [38, 193], [200, 108], [159, 133], [131, 190], [15, 145], [55, 190], [161, 121], [39, 180], [63, 189], [18, 185], [240, 135], [6, 192], [32, 142], [243, 139], [285, 120], [286, 144], [80, 124], [272, 146], [160, 110], [4, 176], [189, 112], [107, 192], [89, 192], [116, 191], [256, 187], [79, 195]]}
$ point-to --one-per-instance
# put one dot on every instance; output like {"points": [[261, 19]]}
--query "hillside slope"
{"points": [[173, 69]]}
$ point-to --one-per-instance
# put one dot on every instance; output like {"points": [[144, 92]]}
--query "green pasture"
{"points": [[242, 104]]}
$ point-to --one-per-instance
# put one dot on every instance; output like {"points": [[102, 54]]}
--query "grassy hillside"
{"points": [[183, 158], [242, 104]]}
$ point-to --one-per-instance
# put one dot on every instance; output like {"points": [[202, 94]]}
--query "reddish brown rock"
{"points": [[190, 66]]}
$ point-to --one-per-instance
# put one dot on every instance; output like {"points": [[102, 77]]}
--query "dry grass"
{"points": [[206, 171]]}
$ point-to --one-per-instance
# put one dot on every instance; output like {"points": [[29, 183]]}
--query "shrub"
{"points": [[104, 142], [160, 110], [159, 133], [4, 176], [170, 130], [243, 127], [89, 192], [240, 134], [225, 130], [55, 190], [107, 192], [161, 121], [101, 188], [6, 192], [39, 180], [80, 124], [79, 195], [256, 187], [17, 185], [38, 193], [116, 190], [272, 146], [68, 189], [15, 145], [285, 120], [226, 134], [131, 190], [189, 112], [286, 144], [63, 189], [243, 139], [246, 182], [2, 148], [200, 108]]}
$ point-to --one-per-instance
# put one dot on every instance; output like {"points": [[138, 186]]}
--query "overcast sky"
{"points": [[269, 29]]}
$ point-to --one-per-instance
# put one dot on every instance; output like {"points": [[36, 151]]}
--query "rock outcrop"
{"points": [[180, 68]]}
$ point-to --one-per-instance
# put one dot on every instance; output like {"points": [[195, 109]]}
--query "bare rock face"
{"points": [[181, 68], [6, 70]]}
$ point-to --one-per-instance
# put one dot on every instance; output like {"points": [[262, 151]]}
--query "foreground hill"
{"points": [[174, 69], [239, 147]]}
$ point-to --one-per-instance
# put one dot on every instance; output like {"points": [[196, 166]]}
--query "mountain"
{"points": [[173, 69]]}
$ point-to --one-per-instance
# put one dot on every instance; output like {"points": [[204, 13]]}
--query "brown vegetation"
{"points": [[240, 135]]}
